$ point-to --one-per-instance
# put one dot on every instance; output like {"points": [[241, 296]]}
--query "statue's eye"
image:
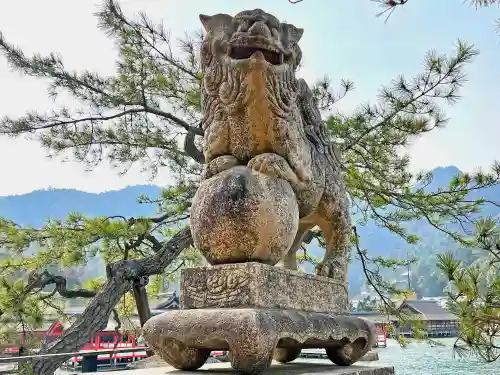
{"points": [[234, 24], [273, 24]]}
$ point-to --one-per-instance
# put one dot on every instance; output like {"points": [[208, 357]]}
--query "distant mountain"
{"points": [[441, 177], [34, 208]]}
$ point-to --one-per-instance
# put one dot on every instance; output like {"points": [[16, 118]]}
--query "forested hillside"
{"points": [[37, 206]]}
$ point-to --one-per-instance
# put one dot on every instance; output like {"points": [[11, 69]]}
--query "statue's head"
{"points": [[252, 38]]}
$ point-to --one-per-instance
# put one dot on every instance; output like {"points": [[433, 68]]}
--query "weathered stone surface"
{"points": [[183, 337], [370, 357], [260, 286], [296, 368], [258, 114], [241, 215]]}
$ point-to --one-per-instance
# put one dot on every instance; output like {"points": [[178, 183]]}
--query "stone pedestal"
{"points": [[258, 313], [258, 285]]}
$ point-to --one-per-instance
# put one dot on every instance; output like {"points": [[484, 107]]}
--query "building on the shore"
{"points": [[435, 320], [428, 315]]}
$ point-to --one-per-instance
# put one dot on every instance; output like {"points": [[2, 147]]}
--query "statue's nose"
{"points": [[260, 28]]}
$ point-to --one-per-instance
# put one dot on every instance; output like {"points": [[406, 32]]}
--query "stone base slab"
{"points": [[185, 338], [295, 368], [257, 285]]}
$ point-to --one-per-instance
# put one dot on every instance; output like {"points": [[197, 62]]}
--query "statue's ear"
{"points": [[217, 21], [205, 20], [296, 33]]}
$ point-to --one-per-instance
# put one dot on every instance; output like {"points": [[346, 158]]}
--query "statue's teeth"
{"points": [[258, 55]]}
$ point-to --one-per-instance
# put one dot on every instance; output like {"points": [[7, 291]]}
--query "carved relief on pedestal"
{"points": [[216, 289]]}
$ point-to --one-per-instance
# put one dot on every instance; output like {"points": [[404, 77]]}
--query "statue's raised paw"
{"points": [[272, 165]]}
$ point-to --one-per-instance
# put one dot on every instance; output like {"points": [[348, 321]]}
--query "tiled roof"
{"points": [[374, 316], [172, 302], [430, 310]]}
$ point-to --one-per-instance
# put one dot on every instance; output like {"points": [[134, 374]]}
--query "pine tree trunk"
{"points": [[121, 278], [142, 305]]}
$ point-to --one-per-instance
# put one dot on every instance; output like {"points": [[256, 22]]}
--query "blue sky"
{"points": [[342, 38]]}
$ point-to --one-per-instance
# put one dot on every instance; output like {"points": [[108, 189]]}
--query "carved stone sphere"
{"points": [[241, 215]]}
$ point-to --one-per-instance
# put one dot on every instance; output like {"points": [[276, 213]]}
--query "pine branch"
{"points": [[121, 276], [129, 103], [441, 81], [391, 5], [114, 22], [473, 294], [41, 280], [326, 97]]}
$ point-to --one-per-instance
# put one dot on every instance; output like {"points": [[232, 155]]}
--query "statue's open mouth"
{"points": [[243, 53]]}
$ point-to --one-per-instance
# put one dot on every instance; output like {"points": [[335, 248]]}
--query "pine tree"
{"points": [[148, 113], [474, 293]]}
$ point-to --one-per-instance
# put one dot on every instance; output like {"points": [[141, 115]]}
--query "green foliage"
{"points": [[474, 294], [305, 259], [61, 244], [21, 313], [94, 284], [189, 257]]}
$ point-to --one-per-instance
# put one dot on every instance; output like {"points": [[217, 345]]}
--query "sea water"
{"points": [[422, 359]]}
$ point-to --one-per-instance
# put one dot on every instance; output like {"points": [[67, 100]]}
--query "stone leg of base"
{"points": [[184, 338]]}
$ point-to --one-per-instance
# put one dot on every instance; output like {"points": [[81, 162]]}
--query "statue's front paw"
{"points": [[218, 165], [271, 165]]}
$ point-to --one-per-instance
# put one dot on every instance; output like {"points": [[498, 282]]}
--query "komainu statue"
{"points": [[258, 114], [271, 174]]}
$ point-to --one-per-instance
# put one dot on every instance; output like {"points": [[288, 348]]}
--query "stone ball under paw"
{"points": [[241, 215]]}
